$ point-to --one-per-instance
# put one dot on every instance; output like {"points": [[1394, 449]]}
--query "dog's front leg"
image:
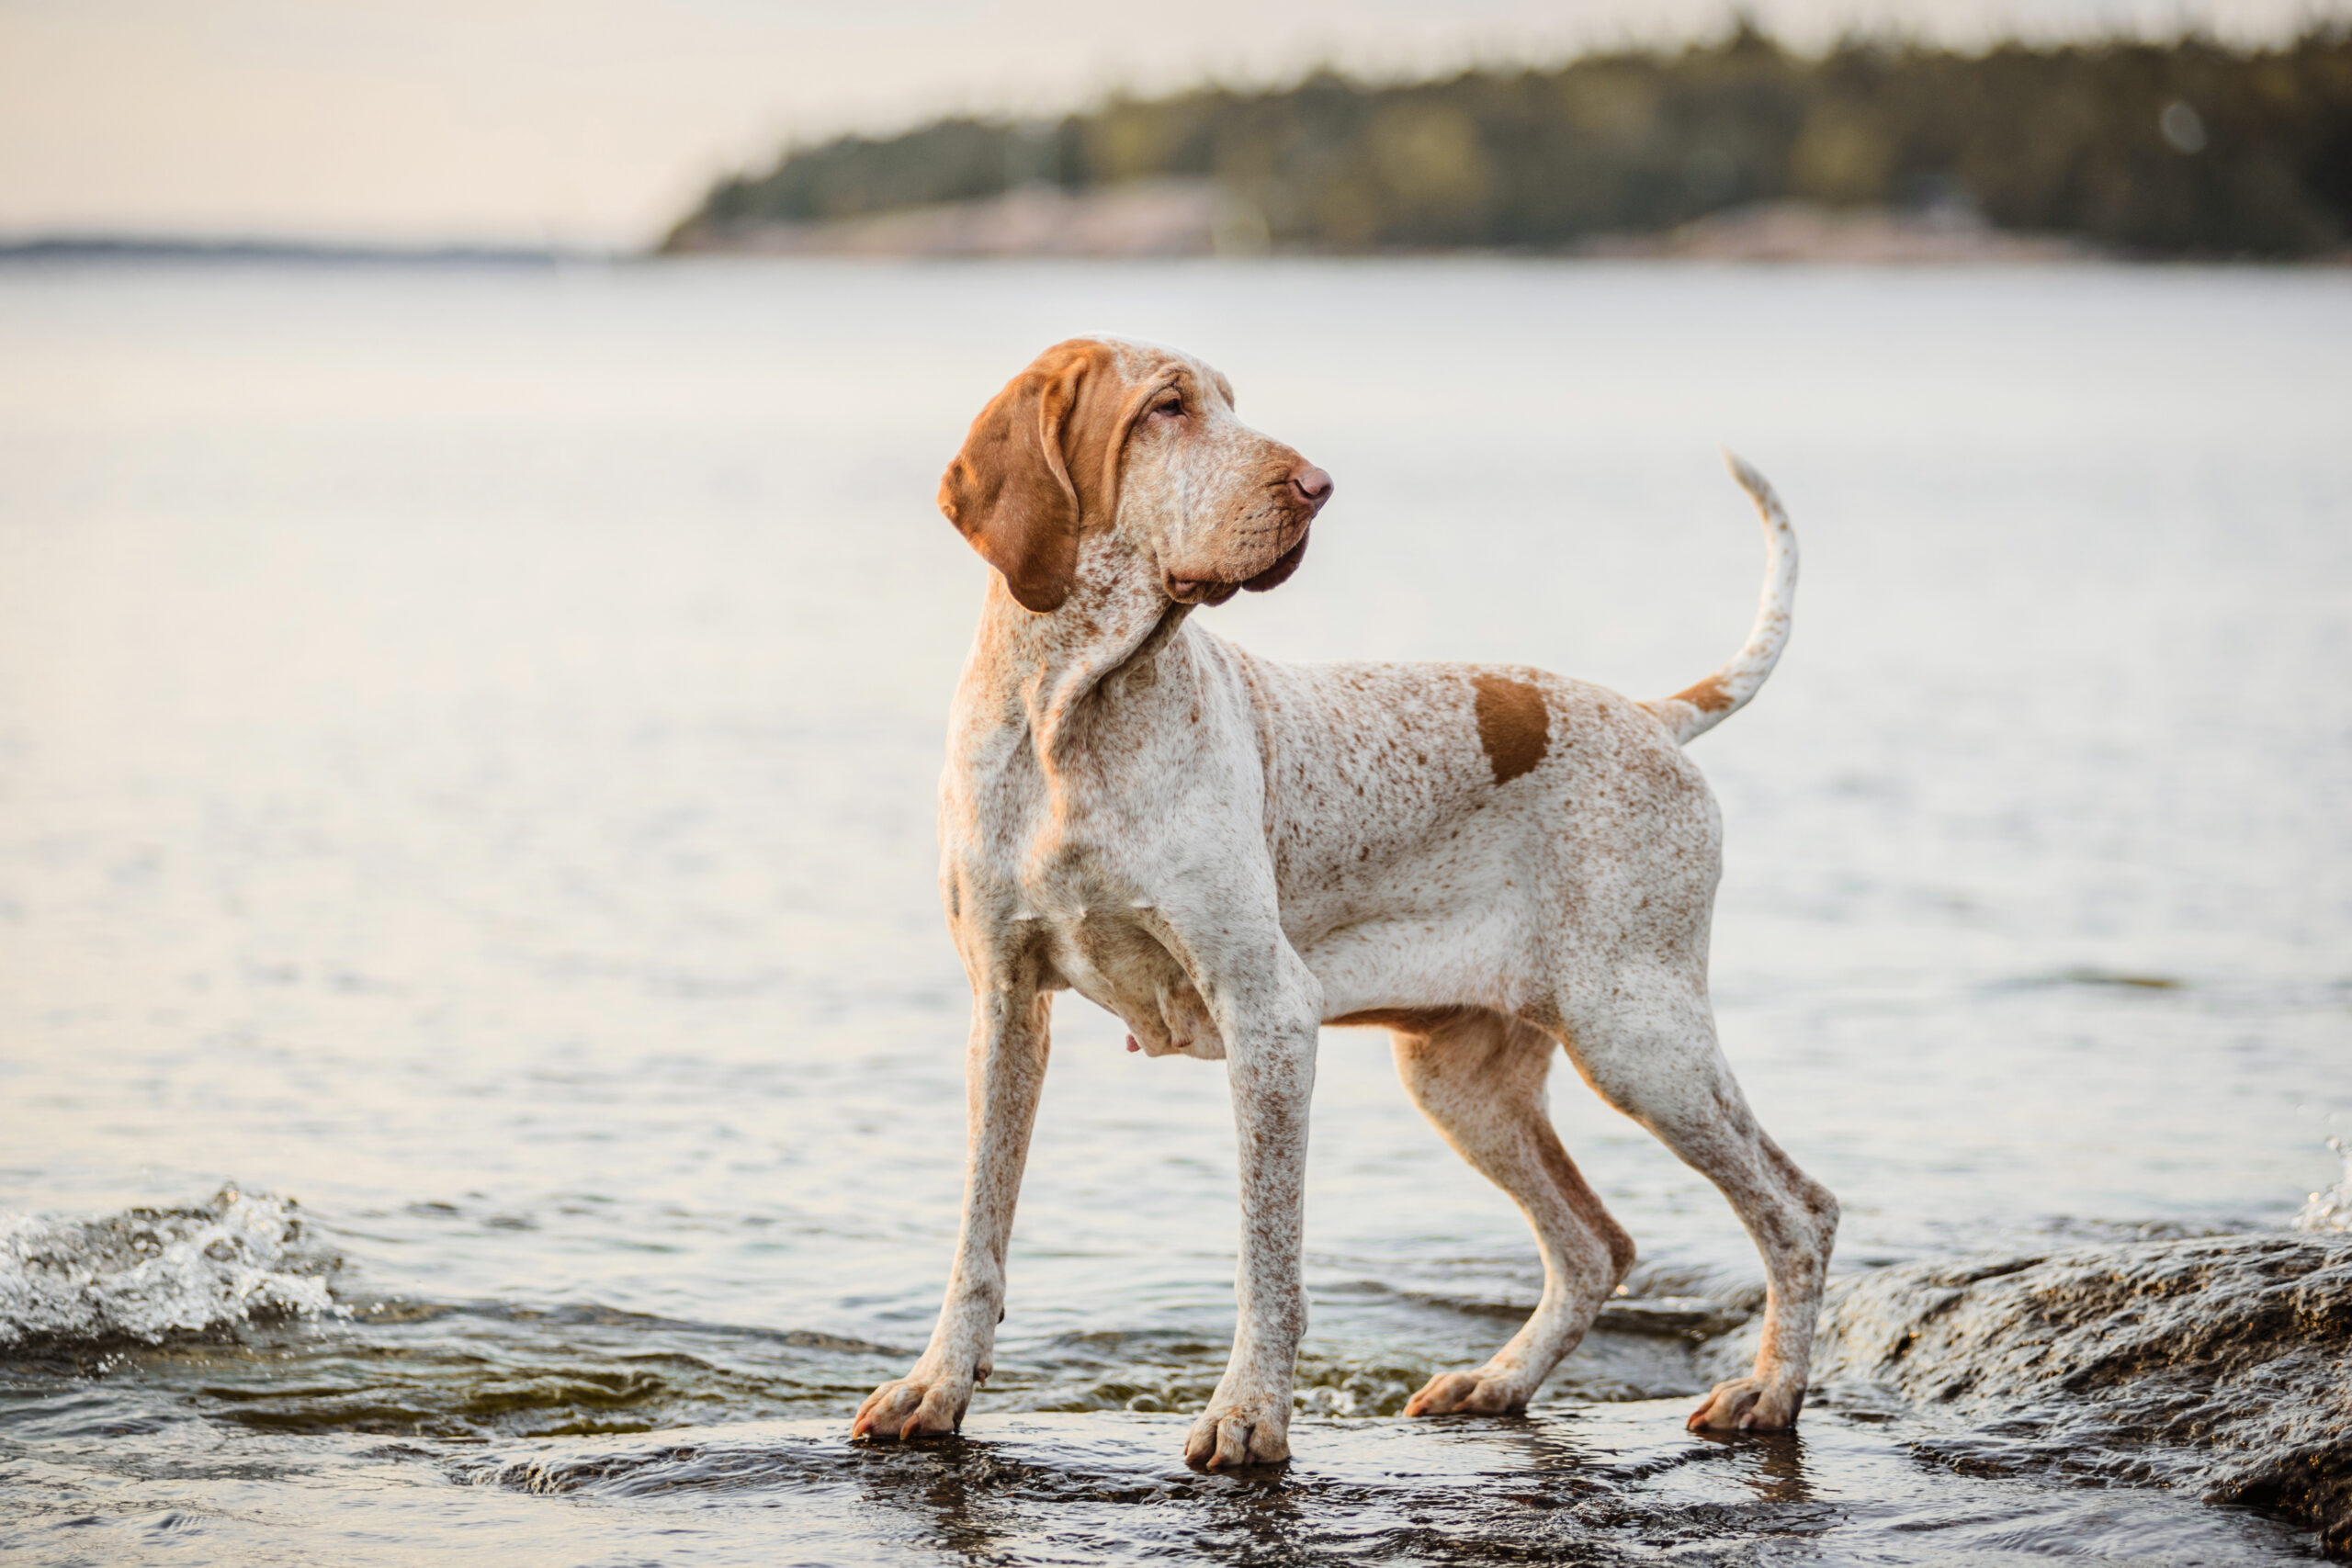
{"points": [[1004, 1071], [1271, 1065]]}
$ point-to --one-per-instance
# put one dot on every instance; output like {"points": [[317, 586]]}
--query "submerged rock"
{"points": [[1602, 1485], [2221, 1364]]}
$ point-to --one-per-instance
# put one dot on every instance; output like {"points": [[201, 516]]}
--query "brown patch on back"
{"points": [[1513, 724], [1707, 696]]}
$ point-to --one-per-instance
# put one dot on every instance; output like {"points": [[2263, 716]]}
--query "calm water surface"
{"points": [[466, 753]]}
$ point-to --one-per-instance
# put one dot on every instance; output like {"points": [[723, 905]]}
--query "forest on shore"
{"points": [[2187, 148]]}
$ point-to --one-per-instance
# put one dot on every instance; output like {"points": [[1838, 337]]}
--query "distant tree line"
{"points": [[2190, 148]]}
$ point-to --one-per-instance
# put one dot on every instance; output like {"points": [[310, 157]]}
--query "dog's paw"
{"points": [[1466, 1393], [1234, 1433], [1749, 1405], [916, 1406]]}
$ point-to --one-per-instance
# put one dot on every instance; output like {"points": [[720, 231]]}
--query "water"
{"points": [[158, 1274], [467, 741], [2330, 1210]]}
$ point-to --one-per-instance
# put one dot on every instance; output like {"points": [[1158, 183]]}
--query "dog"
{"points": [[1488, 861]]}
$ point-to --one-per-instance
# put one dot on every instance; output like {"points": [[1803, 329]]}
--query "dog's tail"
{"points": [[1696, 709]]}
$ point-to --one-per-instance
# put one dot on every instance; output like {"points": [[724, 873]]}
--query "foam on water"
{"points": [[154, 1274], [2331, 1208]]}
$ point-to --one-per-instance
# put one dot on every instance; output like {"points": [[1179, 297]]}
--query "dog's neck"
{"points": [[1042, 670]]}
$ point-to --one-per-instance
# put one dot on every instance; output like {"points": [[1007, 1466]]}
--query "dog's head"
{"points": [[1123, 439]]}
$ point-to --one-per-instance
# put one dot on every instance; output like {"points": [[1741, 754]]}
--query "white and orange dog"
{"points": [[1228, 853]]}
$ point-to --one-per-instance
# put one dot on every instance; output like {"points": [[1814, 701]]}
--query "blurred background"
{"points": [[2147, 124], [475, 638]]}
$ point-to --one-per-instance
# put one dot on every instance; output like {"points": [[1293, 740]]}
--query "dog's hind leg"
{"points": [[1650, 1050], [1479, 1079]]}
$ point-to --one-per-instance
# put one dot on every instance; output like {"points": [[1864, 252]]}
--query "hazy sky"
{"points": [[598, 121]]}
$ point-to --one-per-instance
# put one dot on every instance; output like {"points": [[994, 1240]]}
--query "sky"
{"points": [[597, 123]]}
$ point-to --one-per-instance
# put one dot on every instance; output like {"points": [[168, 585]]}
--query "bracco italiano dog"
{"points": [[1487, 861]]}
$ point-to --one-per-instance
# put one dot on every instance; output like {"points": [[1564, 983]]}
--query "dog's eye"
{"points": [[1169, 407]]}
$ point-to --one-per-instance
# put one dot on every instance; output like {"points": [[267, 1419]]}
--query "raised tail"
{"points": [[1696, 709]]}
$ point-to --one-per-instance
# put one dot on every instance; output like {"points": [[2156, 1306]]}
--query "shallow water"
{"points": [[467, 741]]}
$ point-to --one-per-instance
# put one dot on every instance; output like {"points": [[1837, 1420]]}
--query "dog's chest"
{"points": [[1087, 893], [1108, 943], [1135, 833], [1117, 961]]}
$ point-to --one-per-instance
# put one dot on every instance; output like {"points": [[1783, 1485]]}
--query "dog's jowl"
{"points": [[1489, 862]]}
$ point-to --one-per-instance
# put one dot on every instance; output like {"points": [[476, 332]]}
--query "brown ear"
{"points": [[1009, 491]]}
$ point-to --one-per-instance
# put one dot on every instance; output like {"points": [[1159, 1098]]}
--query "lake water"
{"points": [[466, 753]]}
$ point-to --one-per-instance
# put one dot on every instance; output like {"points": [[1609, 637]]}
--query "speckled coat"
{"points": [[1228, 853]]}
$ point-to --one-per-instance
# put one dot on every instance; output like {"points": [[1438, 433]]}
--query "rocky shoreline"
{"points": [[1179, 217]]}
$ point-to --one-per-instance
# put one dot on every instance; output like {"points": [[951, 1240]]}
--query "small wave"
{"points": [[150, 1275], [2331, 1210]]}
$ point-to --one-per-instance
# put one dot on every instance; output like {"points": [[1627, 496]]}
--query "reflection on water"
{"points": [[468, 743], [1779, 1462]]}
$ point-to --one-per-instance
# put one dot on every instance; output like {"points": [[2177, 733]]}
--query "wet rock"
{"points": [[1605, 1484], [2221, 1365]]}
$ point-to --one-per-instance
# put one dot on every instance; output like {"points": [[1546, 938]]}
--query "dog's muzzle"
{"points": [[1310, 488], [1284, 564], [1205, 591]]}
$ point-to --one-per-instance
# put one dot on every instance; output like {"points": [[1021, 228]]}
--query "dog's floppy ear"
{"points": [[1010, 492]]}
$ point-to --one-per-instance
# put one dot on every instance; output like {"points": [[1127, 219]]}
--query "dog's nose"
{"points": [[1314, 486]]}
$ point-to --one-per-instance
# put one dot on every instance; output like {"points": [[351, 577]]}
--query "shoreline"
{"points": [[1173, 221]]}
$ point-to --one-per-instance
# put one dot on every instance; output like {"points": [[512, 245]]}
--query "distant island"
{"points": [[1876, 151]]}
